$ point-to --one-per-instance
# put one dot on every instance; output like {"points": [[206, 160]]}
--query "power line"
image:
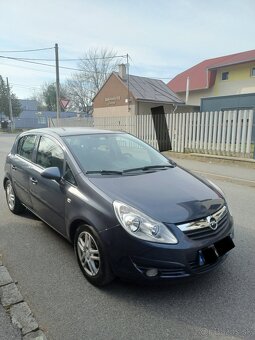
{"points": [[26, 68], [43, 64], [35, 50], [25, 60], [74, 59]]}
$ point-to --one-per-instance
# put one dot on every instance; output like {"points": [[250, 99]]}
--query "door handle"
{"points": [[33, 180], [14, 167]]}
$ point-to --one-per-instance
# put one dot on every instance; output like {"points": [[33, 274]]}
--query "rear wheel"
{"points": [[13, 201], [91, 256]]}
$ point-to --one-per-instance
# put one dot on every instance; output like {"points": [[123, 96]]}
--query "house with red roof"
{"points": [[221, 83]]}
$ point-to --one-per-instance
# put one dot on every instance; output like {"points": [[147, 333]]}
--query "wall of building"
{"points": [[112, 100], [143, 108], [240, 82], [243, 101], [114, 111], [195, 96]]}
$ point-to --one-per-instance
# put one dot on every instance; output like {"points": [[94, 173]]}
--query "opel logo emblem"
{"points": [[212, 222]]}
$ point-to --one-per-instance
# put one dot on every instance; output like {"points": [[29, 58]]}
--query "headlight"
{"points": [[142, 226]]}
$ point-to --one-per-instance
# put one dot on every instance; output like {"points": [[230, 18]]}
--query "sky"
{"points": [[163, 38]]}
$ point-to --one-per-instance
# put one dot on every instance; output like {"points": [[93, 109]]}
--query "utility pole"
{"points": [[57, 84], [128, 82], [10, 103]]}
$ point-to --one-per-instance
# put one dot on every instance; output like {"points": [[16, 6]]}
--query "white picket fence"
{"points": [[220, 133]]}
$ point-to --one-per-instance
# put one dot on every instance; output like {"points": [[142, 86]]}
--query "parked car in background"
{"points": [[128, 210]]}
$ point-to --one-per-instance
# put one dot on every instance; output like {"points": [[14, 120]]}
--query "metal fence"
{"points": [[230, 133]]}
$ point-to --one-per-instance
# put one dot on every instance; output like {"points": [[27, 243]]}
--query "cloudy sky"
{"points": [[163, 37]]}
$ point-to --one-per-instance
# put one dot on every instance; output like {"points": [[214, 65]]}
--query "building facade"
{"points": [[127, 95], [232, 75]]}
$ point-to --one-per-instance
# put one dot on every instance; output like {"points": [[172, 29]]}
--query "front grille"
{"points": [[206, 232], [197, 268]]}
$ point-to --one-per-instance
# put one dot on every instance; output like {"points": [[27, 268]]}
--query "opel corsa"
{"points": [[128, 210]]}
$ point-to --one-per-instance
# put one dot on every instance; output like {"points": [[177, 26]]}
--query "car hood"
{"points": [[171, 196]]}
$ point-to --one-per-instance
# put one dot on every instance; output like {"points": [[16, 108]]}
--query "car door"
{"points": [[48, 196], [21, 166]]}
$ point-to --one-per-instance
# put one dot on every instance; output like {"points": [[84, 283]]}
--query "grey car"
{"points": [[128, 210]]}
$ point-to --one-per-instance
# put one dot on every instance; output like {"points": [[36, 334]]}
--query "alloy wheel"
{"points": [[88, 253], [10, 196]]}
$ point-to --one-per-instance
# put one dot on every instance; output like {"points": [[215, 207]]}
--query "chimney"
{"points": [[122, 71]]}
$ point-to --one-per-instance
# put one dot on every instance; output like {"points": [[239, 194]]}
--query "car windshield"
{"points": [[114, 153]]}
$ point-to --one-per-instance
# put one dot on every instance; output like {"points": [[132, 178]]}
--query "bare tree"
{"points": [[78, 93], [96, 65]]}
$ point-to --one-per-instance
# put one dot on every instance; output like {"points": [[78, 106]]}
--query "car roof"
{"points": [[72, 131]]}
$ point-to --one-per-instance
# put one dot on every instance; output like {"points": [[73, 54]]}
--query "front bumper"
{"points": [[131, 258]]}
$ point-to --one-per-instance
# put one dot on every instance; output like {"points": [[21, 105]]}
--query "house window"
{"points": [[224, 75], [253, 72]]}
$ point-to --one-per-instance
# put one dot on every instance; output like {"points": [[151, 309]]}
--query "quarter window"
{"points": [[26, 146], [69, 177], [224, 75], [50, 154]]}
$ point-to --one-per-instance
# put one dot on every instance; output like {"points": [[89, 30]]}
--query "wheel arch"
{"points": [[6, 178], [76, 224]]}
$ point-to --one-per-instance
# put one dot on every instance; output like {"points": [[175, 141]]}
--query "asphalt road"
{"points": [[217, 305]]}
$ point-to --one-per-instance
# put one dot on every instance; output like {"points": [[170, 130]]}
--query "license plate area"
{"points": [[216, 250]]}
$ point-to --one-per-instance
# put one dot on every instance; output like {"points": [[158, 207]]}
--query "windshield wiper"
{"points": [[104, 172], [150, 167]]}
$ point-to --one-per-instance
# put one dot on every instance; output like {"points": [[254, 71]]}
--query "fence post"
{"points": [[249, 132]]}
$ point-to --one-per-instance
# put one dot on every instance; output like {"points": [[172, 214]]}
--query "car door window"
{"points": [[68, 176], [49, 154], [26, 146]]}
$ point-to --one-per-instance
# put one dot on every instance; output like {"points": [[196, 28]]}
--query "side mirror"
{"points": [[52, 173]]}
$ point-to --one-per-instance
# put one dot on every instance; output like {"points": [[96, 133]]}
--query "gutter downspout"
{"points": [[187, 91]]}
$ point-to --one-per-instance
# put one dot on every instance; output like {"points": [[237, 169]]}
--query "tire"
{"points": [[13, 202], [92, 257]]}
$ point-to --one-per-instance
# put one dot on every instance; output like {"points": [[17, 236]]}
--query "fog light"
{"points": [[152, 272]]}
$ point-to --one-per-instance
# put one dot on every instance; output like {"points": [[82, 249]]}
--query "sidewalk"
{"points": [[16, 319], [222, 169], [8, 332]]}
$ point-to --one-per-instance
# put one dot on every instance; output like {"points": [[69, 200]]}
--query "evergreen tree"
{"points": [[49, 96], [4, 100]]}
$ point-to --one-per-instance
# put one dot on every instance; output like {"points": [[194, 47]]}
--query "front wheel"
{"points": [[13, 201], [91, 256]]}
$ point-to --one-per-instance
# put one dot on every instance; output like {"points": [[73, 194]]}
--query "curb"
{"points": [[18, 310]]}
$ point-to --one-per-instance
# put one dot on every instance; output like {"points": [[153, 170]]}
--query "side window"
{"points": [[26, 146], [69, 177], [49, 154]]}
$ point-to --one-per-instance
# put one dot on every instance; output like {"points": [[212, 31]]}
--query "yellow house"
{"points": [[226, 82]]}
